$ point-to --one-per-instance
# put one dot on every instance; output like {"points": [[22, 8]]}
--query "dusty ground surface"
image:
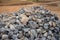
{"points": [[53, 6]]}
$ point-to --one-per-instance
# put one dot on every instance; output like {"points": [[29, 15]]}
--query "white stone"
{"points": [[4, 36], [12, 27], [45, 34]]}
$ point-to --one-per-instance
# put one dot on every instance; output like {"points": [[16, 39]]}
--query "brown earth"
{"points": [[53, 6]]}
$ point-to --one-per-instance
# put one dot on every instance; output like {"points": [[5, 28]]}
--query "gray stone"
{"points": [[43, 11], [45, 34], [25, 38], [15, 31], [21, 11], [38, 30], [37, 39], [14, 37], [49, 37], [33, 24], [46, 25], [19, 36], [53, 38], [43, 38], [4, 36], [2, 25], [12, 27], [26, 29], [49, 32], [33, 33]]}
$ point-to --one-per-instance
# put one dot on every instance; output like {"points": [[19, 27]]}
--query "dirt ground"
{"points": [[53, 6]]}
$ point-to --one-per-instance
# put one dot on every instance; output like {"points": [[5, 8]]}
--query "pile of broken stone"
{"points": [[35, 23]]}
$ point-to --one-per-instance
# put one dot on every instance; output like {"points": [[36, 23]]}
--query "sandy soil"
{"points": [[54, 7]]}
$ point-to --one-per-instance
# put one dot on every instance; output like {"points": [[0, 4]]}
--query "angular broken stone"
{"points": [[49, 37], [4, 36], [43, 38], [2, 25], [45, 34], [35, 23], [27, 14], [54, 24], [24, 18], [38, 30], [50, 23], [21, 11], [37, 39], [46, 26], [33, 33], [12, 27], [26, 29], [19, 36]]}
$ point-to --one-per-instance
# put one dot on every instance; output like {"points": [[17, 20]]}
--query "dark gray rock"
{"points": [[2, 25]]}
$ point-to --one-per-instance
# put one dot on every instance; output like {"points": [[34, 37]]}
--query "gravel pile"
{"points": [[35, 23]]}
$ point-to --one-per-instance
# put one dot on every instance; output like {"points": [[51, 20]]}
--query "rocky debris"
{"points": [[4, 36], [35, 23], [24, 18]]}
